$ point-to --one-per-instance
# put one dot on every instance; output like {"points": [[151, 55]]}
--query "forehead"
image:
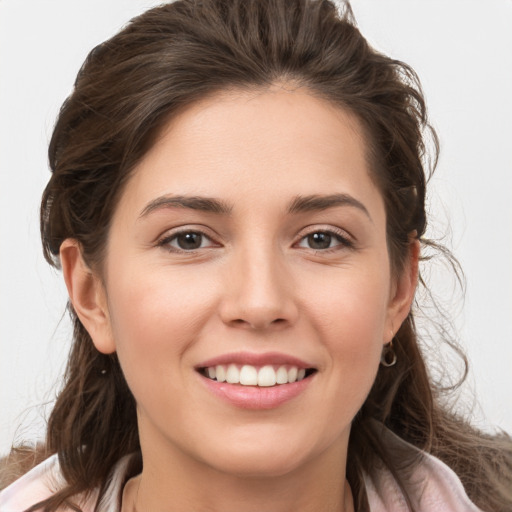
{"points": [[239, 144]]}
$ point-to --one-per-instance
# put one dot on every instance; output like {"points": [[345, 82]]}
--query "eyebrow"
{"points": [[299, 204], [318, 202], [203, 204]]}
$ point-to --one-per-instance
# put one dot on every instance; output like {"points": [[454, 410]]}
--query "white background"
{"points": [[461, 49]]}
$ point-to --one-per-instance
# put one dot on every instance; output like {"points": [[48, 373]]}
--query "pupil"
{"points": [[189, 240], [319, 240]]}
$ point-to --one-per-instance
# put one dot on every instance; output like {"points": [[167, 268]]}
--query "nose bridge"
{"points": [[260, 293]]}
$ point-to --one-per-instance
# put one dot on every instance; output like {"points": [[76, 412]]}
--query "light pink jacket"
{"points": [[436, 489]]}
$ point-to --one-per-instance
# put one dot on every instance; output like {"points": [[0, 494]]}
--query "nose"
{"points": [[259, 292]]}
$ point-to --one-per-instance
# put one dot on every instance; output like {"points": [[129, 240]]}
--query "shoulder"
{"points": [[36, 485], [44, 480], [432, 487]]}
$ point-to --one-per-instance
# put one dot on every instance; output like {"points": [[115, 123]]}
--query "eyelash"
{"points": [[167, 240], [344, 242]]}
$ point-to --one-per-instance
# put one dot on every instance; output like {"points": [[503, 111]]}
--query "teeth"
{"points": [[292, 374], [282, 375], [248, 375], [232, 375], [267, 376], [220, 373]]}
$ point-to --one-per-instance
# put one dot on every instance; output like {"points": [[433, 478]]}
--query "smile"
{"points": [[261, 376], [257, 381]]}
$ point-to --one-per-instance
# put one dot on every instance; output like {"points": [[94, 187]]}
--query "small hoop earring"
{"points": [[388, 357]]}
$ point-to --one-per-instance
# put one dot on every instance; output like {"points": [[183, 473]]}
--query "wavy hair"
{"points": [[126, 92]]}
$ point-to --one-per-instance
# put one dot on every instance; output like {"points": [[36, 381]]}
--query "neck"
{"points": [[185, 485], [245, 498]]}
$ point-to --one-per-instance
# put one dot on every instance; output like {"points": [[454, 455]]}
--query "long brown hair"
{"points": [[126, 91]]}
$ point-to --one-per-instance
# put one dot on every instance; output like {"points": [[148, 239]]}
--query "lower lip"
{"points": [[254, 397]]}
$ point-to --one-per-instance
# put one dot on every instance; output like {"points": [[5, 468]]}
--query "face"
{"points": [[250, 245]]}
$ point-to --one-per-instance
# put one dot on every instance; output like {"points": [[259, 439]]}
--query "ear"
{"points": [[402, 292], [88, 296]]}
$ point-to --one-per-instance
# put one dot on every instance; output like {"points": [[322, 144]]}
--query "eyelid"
{"points": [[346, 239], [171, 234]]}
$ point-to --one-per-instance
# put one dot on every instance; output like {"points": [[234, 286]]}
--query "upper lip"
{"points": [[254, 359]]}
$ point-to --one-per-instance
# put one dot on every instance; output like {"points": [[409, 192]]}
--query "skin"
{"points": [[256, 284]]}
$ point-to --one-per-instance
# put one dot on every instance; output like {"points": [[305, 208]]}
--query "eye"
{"points": [[186, 241], [322, 240]]}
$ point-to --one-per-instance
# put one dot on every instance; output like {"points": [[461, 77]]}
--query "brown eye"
{"points": [[186, 241], [319, 240], [189, 241], [324, 240]]}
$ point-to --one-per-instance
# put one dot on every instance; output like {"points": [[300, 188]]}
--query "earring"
{"points": [[388, 357]]}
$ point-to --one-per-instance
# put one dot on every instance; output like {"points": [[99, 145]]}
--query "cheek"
{"points": [[349, 313], [152, 305], [155, 317], [350, 304]]}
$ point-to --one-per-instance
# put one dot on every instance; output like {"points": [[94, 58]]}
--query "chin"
{"points": [[269, 454], [260, 465]]}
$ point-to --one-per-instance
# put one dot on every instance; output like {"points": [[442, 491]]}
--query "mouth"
{"points": [[259, 376], [254, 381]]}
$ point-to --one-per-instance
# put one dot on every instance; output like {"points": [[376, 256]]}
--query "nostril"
{"points": [[258, 323]]}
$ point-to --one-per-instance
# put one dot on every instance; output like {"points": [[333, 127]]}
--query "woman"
{"points": [[237, 205]]}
